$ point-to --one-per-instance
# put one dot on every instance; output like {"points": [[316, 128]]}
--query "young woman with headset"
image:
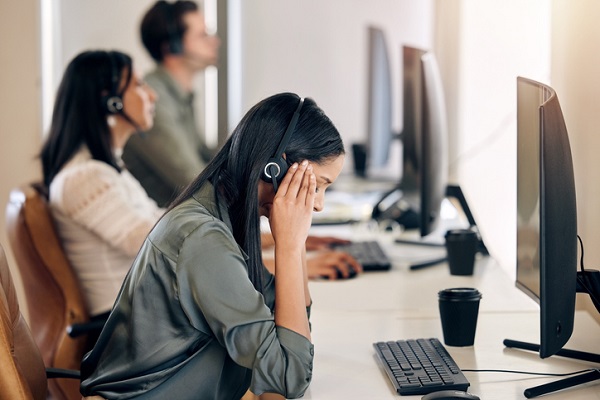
{"points": [[102, 213], [199, 316]]}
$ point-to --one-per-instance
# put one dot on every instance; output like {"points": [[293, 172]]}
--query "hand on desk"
{"points": [[324, 262], [330, 264]]}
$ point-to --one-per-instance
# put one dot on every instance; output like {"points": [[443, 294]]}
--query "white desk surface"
{"points": [[349, 316]]}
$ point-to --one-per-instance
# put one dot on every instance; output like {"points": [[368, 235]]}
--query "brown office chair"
{"points": [[23, 376], [54, 298]]}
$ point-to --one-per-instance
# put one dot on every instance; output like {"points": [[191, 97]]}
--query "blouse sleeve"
{"points": [[218, 286], [108, 203]]}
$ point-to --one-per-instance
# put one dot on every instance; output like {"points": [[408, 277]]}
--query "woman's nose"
{"points": [[318, 206]]}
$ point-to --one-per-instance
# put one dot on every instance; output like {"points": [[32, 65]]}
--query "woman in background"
{"points": [[101, 211], [199, 316]]}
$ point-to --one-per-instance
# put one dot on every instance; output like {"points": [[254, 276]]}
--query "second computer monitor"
{"points": [[424, 137]]}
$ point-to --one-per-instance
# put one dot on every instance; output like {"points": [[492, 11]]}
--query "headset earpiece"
{"points": [[174, 42], [277, 166], [113, 102]]}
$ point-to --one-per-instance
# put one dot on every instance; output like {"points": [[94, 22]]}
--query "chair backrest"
{"points": [[23, 374], [53, 293]]}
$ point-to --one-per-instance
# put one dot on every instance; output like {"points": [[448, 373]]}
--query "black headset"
{"points": [[113, 101], [277, 166], [174, 41]]}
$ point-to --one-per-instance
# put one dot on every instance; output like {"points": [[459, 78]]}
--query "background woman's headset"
{"points": [[113, 101]]}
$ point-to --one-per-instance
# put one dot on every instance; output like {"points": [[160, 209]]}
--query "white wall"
{"points": [[483, 46], [318, 49], [575, 77], [20, 118]]}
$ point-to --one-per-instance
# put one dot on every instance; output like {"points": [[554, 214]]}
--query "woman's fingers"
{"points": [[299, 184], [285, 182], [307, 189]]}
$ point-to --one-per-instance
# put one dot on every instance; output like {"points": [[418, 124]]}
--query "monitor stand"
{"points": [[588, 281], [563, 383], [400, 210]]}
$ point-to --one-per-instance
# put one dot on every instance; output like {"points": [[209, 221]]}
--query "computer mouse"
{"points": [[351, 274], [450, 395]]}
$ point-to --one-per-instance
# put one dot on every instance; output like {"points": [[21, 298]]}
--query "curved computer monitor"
{"points": [[379, 100], [424, 137], [546, 213]]}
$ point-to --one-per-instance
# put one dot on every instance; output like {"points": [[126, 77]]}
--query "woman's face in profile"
{"points": [[138, 102]]}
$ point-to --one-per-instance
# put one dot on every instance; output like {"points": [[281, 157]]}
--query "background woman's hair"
{"points": [[236, 169], [79, 115]]}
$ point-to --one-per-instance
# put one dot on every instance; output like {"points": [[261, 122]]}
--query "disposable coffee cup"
{"points": [[359, 152], [458, 312], [461, 246]]}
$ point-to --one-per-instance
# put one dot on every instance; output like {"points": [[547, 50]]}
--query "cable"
{"points": [[583, 279], [581, 259], [508, 371]]}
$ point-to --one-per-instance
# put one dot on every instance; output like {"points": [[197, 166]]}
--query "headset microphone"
{"points": [[277, 166]]}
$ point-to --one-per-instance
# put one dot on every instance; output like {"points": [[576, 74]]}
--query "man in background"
{"points": [[170, 155]]}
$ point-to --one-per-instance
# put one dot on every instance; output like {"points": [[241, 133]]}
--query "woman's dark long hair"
{"points": [[79, 115], [236, 169]]}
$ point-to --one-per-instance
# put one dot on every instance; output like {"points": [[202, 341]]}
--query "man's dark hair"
{"points": [[162, 27]]}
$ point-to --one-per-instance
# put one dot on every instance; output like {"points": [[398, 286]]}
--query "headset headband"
{"points": [[276, 167]]}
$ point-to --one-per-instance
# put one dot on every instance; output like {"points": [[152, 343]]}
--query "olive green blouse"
{"points": [[189, 324]]}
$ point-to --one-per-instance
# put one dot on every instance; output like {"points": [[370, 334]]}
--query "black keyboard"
{"points": [[369, 254], [420, 366]]}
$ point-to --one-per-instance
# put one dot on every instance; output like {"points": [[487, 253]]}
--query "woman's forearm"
{"points": [[290, 290]]}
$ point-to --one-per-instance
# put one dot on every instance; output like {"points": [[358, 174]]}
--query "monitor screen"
{"points": [[379, 100], [546, 212], [424, 137]]}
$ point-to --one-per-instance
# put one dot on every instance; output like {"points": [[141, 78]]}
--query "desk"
{"points": [[349, 316]]}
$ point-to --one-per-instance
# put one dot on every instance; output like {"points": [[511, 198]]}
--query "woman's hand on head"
{"points": [[291, 213]]}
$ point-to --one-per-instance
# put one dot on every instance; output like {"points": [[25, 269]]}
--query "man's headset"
{"points": [[113, 101], [277, 166], [174, 39]]}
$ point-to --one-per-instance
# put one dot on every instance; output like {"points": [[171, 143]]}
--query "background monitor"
{"points": [[424, 137], [423, 172], [546, 213], [379, 100]]}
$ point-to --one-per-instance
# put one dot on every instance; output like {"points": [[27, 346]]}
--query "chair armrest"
{"points": [[62, 373], [76, 330]]}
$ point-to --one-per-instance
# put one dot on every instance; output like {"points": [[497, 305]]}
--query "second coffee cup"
{"points": [[461, 245]]}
